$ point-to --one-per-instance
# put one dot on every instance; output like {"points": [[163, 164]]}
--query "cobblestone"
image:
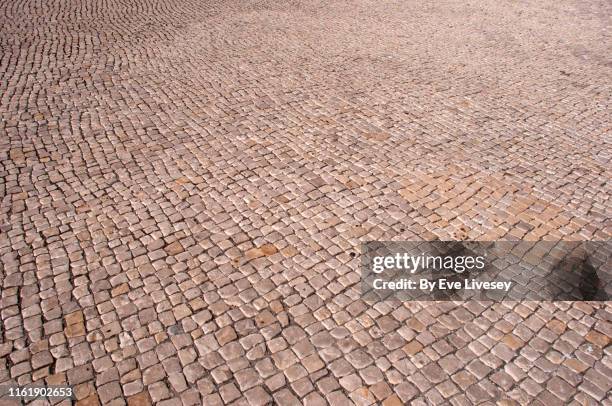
{"points": [[184, 187]]}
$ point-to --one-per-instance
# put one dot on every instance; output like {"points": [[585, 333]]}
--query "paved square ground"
{"points": [[185, 184]]}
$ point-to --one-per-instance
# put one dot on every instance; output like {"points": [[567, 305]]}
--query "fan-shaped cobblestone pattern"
{"points": [[185, 184]]}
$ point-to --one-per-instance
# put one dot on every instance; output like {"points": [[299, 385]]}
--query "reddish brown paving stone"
{"points": [[576, 365], [74, 318], [513, 342], [264, 250], [91, 400], [377, 136], [392, 400], [75, 330], [174, 249], [557, 326], [597, 339], [225, 335], [413, 347], [120, 290], [140, 399], [507, 402], [415, 324]]}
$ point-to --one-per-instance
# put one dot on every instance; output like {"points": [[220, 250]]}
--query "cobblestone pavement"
{"points": [[184, 186]]}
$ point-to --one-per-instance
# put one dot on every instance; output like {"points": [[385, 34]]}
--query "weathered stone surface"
{"points": [[184, 188]]}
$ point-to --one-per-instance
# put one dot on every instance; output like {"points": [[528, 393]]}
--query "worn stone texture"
{"points": [[184, 186]]}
